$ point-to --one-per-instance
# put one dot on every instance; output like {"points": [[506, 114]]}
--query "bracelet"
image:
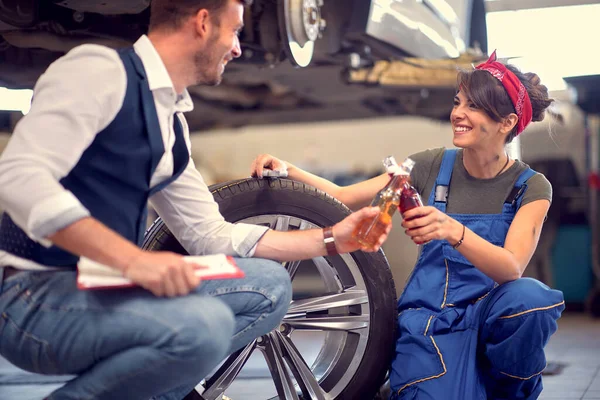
{"points": [[329, 241], [461, 239]]}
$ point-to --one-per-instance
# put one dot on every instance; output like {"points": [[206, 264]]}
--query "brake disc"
{"points": [[300, 24]]}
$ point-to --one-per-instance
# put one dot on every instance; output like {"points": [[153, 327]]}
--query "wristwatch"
{"points": [[329, 241]]}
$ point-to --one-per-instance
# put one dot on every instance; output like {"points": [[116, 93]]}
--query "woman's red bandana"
{"points": [[513, 86]]}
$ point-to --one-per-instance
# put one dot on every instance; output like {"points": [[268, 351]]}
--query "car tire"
{"points": [[260, 199]]}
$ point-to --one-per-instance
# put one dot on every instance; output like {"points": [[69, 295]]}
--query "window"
{"points": [[15, 100], [554, 42]]}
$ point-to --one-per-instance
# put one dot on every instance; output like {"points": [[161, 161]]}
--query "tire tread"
{"points": [[379, 278]]}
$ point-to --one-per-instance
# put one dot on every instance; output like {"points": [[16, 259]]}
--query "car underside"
{"points": [[297, 58]]}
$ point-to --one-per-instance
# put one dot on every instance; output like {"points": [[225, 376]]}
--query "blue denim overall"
{"points": [[461, 335]]}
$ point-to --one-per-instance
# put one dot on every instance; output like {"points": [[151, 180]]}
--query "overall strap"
{"points": [[439, 193], [515, 198]]}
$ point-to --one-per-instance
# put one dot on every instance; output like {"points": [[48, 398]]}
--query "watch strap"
{"points": [[329, 241]]}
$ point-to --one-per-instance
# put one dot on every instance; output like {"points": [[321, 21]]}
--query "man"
{"points": [[104, 135]]}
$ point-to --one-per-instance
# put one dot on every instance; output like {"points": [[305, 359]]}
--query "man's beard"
{"points": [[207, 67]]}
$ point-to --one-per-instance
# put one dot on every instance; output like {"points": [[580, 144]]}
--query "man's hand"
{"points": [[163, 273], [343, 231], [266, 161]]}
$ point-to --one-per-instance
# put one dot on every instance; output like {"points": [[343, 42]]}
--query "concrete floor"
{"points": [[576, 345]]}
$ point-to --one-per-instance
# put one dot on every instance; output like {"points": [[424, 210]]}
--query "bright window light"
{"points": [[553, 42], [15, 100]]}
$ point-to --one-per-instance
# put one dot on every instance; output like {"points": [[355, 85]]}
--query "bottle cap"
{"points": [[405, 168], [390, 164]]}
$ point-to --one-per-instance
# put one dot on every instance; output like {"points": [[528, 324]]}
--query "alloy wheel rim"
{"points": [[337, 312]]}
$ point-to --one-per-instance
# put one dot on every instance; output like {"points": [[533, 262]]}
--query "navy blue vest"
{"points": [[112, 178]]}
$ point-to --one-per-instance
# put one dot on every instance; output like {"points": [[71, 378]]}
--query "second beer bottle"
{"points": [[398, 193]]}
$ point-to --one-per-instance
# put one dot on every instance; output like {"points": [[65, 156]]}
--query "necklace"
{"points": [[505, 164]]}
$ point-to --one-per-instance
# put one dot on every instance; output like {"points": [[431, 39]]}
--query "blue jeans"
{"points": [[129, 344]]}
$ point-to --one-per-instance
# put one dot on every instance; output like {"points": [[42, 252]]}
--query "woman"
{"points": [[469, 326]]}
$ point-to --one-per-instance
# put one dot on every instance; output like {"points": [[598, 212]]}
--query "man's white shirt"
{"points": [[76, 98]]}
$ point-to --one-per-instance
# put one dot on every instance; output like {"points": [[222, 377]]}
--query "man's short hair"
{"points": [[171, 14]]}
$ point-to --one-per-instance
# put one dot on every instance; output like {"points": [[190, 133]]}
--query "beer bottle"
{"points": [[398, 193]]}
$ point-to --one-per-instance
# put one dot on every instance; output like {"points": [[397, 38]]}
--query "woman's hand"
{"points": [[424, 224], [266, 161]]}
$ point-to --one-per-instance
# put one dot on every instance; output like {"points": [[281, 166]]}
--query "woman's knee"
{"points": [[527, 295], [524, 307]]}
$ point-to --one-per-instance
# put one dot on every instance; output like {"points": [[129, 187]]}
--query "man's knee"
{"points": [[274, 279], [282, 289], [201, 330]]}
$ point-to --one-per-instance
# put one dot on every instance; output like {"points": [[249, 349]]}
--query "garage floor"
{"points": [[576, 345]]}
